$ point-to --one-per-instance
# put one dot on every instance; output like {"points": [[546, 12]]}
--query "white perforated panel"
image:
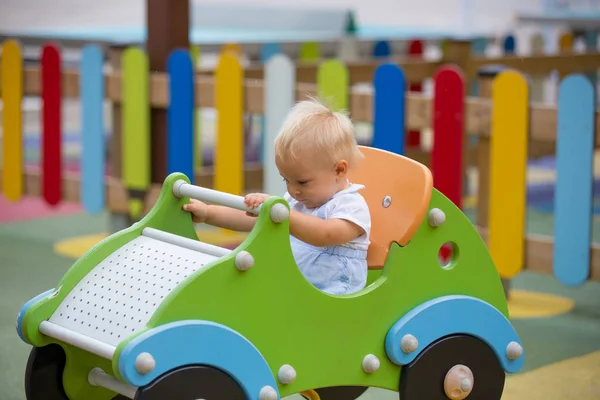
{"points": [[120, 294]]}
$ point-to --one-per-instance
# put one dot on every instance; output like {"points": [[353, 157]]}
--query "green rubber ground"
{"points": [[552, 369]]}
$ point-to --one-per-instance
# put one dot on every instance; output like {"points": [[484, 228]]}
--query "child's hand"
{"points": [[198, 209], [254, 200]]}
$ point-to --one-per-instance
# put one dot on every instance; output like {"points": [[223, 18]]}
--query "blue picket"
{"points": [[382, 49], [389, 108], [91, 84], [509, 45], [267, 51], [180, 114], [574, 181]]}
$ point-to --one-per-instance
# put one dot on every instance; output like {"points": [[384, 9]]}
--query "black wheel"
{"points": [[191, 383], [341, 392], [474, 366], [44, 373]]}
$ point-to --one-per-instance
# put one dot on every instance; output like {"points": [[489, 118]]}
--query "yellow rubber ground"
{"points": [[75, 247], [573, 379], [525, 304]]}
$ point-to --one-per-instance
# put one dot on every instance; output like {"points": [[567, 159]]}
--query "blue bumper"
{"points": [[183, 343], [449, 315], [24, 309]]}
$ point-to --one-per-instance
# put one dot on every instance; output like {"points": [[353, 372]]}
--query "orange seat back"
{"points": [[407, 183]]}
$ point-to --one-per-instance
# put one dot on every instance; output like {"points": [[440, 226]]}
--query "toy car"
{"points": [[153, 313]]}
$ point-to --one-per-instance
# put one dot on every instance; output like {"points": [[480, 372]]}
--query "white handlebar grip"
{"points": [[182, 189]]}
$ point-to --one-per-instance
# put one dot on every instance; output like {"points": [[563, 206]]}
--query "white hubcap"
{"points": [[459, 382]]}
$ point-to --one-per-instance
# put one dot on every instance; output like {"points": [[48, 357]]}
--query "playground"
{"points": [[95, 121]]}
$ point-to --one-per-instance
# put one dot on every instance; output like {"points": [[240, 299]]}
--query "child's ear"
{"points": [[341, 168]]}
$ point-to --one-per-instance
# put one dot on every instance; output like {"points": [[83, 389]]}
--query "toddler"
{"points": [[329, 219]]}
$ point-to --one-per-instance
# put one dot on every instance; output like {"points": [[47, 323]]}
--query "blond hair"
{"points": [[313, 126]]}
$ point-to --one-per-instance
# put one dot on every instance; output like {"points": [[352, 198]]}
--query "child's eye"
{"points": [[303, 182]]}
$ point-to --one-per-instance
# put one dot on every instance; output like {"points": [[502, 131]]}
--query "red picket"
{"points": [[51, 124], [448, 133]]}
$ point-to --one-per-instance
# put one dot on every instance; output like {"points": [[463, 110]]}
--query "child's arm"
{"points": [[220, 216], [314, 230], [323, 232]]}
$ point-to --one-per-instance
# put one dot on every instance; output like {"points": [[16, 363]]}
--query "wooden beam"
{"points": [[116, 193], [419, 107], [542, 64], [416, 70]]}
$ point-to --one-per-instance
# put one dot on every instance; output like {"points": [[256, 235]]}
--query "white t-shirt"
{"points": [[346, 204]]}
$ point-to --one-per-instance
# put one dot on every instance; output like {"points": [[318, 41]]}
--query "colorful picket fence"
{"points": [[509, 138]]}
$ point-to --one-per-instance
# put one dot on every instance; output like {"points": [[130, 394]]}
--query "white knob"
{"points": [[514, 350], [145, 363], [244, 260], [286, 374], [279, 213], [436, 217], [267, 393], [370, 363], [409, 343]]}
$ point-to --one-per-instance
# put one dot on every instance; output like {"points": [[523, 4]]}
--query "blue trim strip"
{"points": [[453, 315], [26, 307], [198, 342]]}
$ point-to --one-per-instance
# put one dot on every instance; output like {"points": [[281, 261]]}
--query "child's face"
{"points": [[312, 182]]}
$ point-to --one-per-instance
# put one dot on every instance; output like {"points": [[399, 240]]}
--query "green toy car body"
{"points": [[246, 323]]}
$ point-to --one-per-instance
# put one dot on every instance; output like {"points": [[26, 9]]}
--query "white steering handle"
{"points": [[183, 189]]}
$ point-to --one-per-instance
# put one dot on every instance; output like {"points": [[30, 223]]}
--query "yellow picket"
{"points": [[508, 167], [135, 140], [333, 81], [232, 48], [11, 69], [229, 140], [565, 42], [565, 46]]}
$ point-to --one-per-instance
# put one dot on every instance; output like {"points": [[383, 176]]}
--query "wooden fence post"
{"points": [[486, 76], [168, 26]]}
